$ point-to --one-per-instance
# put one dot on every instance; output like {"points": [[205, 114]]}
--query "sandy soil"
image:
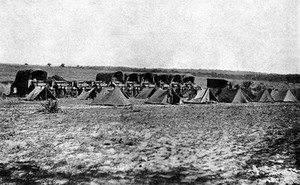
{"points": [[187, 144]]}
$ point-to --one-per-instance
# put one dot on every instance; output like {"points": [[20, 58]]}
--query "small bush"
{"points": [[50, 106]]}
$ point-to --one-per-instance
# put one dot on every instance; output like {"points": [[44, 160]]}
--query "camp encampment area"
{"points": [[163, 132]]}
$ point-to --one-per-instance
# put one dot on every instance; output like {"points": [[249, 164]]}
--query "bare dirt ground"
{"points": [[186, 144]]}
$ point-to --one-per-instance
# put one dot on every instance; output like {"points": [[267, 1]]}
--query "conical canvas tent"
{"points": [[289, 97], [103, 93], [197, 98], [240, 97], [265, 97], [125, 93], [114, 98], [203, 96], [100, 98], [85, 94], [283, 96], [258, 95], [82, 95], [296, 93], [159, 97], [252, 95], [232, 96], [199, 94], [216, 91], [40, 93], [208, 97], [189, 94], [146, 93]]}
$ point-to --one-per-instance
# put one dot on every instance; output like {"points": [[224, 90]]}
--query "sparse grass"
{"points": [[209, 144]]}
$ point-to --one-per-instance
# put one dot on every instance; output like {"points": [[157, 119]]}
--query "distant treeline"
{"points": [[241, 75]]}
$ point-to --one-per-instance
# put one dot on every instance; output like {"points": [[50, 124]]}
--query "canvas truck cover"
{"points": [[165, 78], [104, 77], [119, 76], [56, 78], [147, 77], [188, 78], [216, 83], [23, 76], [21, 82], [177, 78], [39, 75], [132, 77]]}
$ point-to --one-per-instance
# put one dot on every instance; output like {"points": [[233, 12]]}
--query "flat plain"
{"points": [[254, 143]]}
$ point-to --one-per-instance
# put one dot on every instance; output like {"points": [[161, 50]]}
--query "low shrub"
{"points": [[50, 106]]}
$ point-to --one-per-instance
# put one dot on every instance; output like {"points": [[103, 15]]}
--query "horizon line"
{"points": [[207, 69]]}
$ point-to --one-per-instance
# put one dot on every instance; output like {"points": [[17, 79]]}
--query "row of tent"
{"points": [[160, 96], [244, 96], [116, 97]]}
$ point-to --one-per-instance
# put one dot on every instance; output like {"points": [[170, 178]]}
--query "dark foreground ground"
{"points": [[186, 144]]}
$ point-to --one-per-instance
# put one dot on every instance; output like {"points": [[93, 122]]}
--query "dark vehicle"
{"points": [[26, 80]]}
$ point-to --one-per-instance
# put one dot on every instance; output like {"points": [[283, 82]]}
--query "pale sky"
{"points": [[247, 35]]}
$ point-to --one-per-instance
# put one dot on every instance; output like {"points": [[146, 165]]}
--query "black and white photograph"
{"points": [[121, 92]]}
